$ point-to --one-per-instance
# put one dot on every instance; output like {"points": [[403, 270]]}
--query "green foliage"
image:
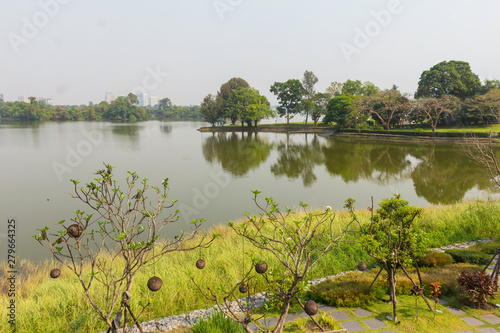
{"points": [[434, 259], [468, 256], [289, 96], [247, 105], [339, 110], [477, 287], [448, 78], [348, 290], [218, 322], [211, 109], [487, 247]]}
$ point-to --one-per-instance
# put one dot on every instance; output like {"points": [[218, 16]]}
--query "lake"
{"points": [[212, 174]]}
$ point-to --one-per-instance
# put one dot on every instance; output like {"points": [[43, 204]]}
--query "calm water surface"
{"points": [[212, 174]]}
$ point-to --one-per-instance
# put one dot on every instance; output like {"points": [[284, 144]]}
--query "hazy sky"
{"points": [[77, 50]]}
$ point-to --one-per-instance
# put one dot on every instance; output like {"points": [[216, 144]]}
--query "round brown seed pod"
{"points": [[261, 268], [362, 266], [75, 230], [154, 283], [200, 263], [243, 288], [311, 307], [55, 273]]}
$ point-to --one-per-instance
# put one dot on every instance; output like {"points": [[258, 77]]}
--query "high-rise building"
{"points": [[143, 99], [1, 97], [153, 101], [23, 99], [47, 100], [109, 97]]}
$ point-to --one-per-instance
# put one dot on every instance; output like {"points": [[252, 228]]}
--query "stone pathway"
{"points": [[361, 320]]}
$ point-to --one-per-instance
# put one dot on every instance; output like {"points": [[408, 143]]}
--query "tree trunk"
{"points": [[287, 118], [392, 289], [284, 313]]}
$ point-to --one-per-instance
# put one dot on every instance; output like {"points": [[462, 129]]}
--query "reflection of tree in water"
{"points": [[130, 133], [237, 153], [167, 129], [444, 176], [298, 160], [390, 163]]}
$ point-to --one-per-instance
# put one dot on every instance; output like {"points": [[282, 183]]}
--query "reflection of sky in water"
{"points": [[212, 174]]}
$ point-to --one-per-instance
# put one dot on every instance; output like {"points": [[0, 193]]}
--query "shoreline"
{"points": [[333, 133]]}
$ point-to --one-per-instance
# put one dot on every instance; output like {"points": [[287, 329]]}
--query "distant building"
{"points": [[109, 97], [47, 100], [1, 97], [143, 99], [23, 99], [153, 101]]}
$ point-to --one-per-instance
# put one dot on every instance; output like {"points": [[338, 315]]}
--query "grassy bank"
{"points": [[50, 305]]}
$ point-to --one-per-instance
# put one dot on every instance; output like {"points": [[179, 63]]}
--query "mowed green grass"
{"points": [[51, 305]]}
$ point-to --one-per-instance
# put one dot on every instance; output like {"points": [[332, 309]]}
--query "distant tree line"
{"points": [[124, 108], [449, 93]]}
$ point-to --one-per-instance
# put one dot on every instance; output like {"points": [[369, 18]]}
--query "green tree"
{"points": [[339, 110], [391, 239], [356, 88], [319, 106], [165, 103], [226, 90], [334, 89], [211, 109], [289, 95], [132, 99], [247, 105], [308, 82], [448, 78]]}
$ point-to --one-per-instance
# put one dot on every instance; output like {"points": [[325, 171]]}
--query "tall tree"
{"points": [[334, 89], [448, 78], [435, 109], [226, 90], [386, 107], [308, 82], [132, 99], [247, 105], [211, 109], [165, 103], [319, 107], [289, 95]]}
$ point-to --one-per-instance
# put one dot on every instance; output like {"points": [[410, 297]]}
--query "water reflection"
{"points": [[440, 174], [298, 160], [443, 176], [238, 153]]}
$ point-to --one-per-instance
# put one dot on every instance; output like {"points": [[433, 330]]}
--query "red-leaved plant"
{"points": [[477, 287]]}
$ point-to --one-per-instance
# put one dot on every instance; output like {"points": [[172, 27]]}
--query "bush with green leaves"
{"points": [[477, 287], [434, 259], [468, 256], [486, 247]]}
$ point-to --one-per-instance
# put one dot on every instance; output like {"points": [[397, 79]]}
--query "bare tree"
{"points": [[386, 107], [125, 238], [482, 152], [434, 109]]}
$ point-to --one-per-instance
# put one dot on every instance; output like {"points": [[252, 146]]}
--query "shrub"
{"points": [[489, 247], [348, 290], [217, 323], [472, 257], [435, 259], [477, 287]]}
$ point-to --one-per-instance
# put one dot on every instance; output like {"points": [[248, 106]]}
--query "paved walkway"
{"points": [[361, 320], [350, 319]]}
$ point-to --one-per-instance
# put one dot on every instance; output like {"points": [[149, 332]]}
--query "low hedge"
{"points": [[469, 256]]}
